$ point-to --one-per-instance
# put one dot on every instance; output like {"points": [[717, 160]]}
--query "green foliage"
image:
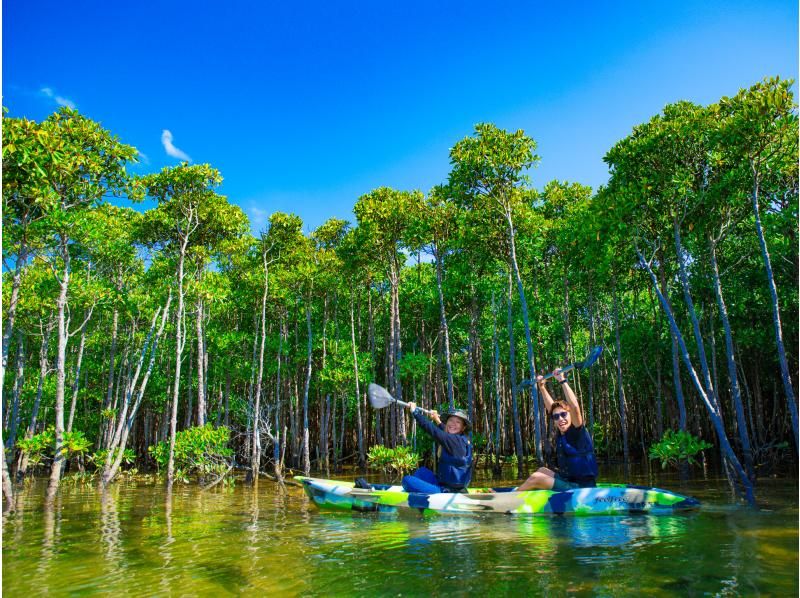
{"points": [[98, 458], [413, 366], [67, 159], [393, 461], [690, 165], [491, 163], [41, 446], [81, 478], [605, 440], [598, 433], [422, 443], [202, 451], [37, 446], [478, 442], [676, 447]]}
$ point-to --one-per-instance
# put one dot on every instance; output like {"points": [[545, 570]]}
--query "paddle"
{"points": [[379, 398], [590, 360]]}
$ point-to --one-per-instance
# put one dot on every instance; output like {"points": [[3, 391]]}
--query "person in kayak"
{"points": [[455, 460], [577, 465]]}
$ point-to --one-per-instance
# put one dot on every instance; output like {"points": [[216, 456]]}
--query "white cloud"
{"points": [[60, 100], [166, 140], [258, 218], [143, 157], [65, 102]]}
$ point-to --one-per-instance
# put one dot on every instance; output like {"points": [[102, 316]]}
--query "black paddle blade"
{"points": [[379, 397], [593, 356]]}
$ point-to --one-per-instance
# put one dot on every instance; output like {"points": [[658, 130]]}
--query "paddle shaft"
{"points": [[380, 398], [564, 370], [404, 404], [588, 362]]}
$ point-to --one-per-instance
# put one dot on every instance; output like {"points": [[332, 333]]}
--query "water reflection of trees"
{"points": [[110, 527], [264, 542], [509, 554]]}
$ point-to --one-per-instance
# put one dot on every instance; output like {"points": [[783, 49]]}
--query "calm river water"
{"points": [[133, 542]]}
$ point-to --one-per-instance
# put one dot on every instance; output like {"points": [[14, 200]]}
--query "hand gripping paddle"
{"points": [[593, 356]]}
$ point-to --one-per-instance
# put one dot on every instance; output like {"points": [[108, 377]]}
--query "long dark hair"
{"points": [[554, 433]]}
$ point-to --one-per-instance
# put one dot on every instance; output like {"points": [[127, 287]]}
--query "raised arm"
{"points": [[572, 400], [546, 398]]}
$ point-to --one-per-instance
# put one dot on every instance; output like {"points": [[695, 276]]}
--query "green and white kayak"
{"points": [[606, 499]]}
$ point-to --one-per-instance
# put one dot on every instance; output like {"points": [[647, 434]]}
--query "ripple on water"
{"points": [[132, 541]]}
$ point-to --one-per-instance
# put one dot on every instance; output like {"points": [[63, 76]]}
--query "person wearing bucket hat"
{"points": [[455, 459]]}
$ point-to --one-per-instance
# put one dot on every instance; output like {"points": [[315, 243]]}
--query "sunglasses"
{"points": [[559, 415]]}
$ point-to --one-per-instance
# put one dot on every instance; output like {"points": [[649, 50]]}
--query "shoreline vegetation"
{"points": [[172, 339]]}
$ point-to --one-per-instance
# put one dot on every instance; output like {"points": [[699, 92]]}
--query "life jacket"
{"points": [[455, 472], [576, 461]]}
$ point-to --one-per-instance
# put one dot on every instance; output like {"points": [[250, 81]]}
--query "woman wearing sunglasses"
{"points": [[577, 466]]}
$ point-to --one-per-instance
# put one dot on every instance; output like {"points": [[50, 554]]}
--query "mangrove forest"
{"points": [[148, 328]]}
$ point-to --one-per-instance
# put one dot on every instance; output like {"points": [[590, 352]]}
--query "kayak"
{"points": [[606, 499]]}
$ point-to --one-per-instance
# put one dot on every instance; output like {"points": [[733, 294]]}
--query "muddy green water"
{"points": [[134, 542]]}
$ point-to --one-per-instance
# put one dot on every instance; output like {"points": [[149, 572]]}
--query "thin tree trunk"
{"points": [[736, 396], [473, 338], [567, 331], [306, 457], [280, 437], [255, 448], [658, 378], [201, 360], [518, 446], [676, 368], [110, 424], [711, 407], [58, 433], [189, 415], [698, 335], [130, 389], [8, 490], [328, 422], [11, 309], [397, 355], [338, 455], [445, 329], [537, 436], [226, 420], [498, 413], [179, 345], [77, 377], [620, 390], [251, 387], [118, 449], [110, 384], [592, 342], [325, 408], [360, 430], [776, 314], [19, 379]]}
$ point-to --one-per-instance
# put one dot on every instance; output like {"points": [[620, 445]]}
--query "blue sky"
{"points": [[305, 106]]}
